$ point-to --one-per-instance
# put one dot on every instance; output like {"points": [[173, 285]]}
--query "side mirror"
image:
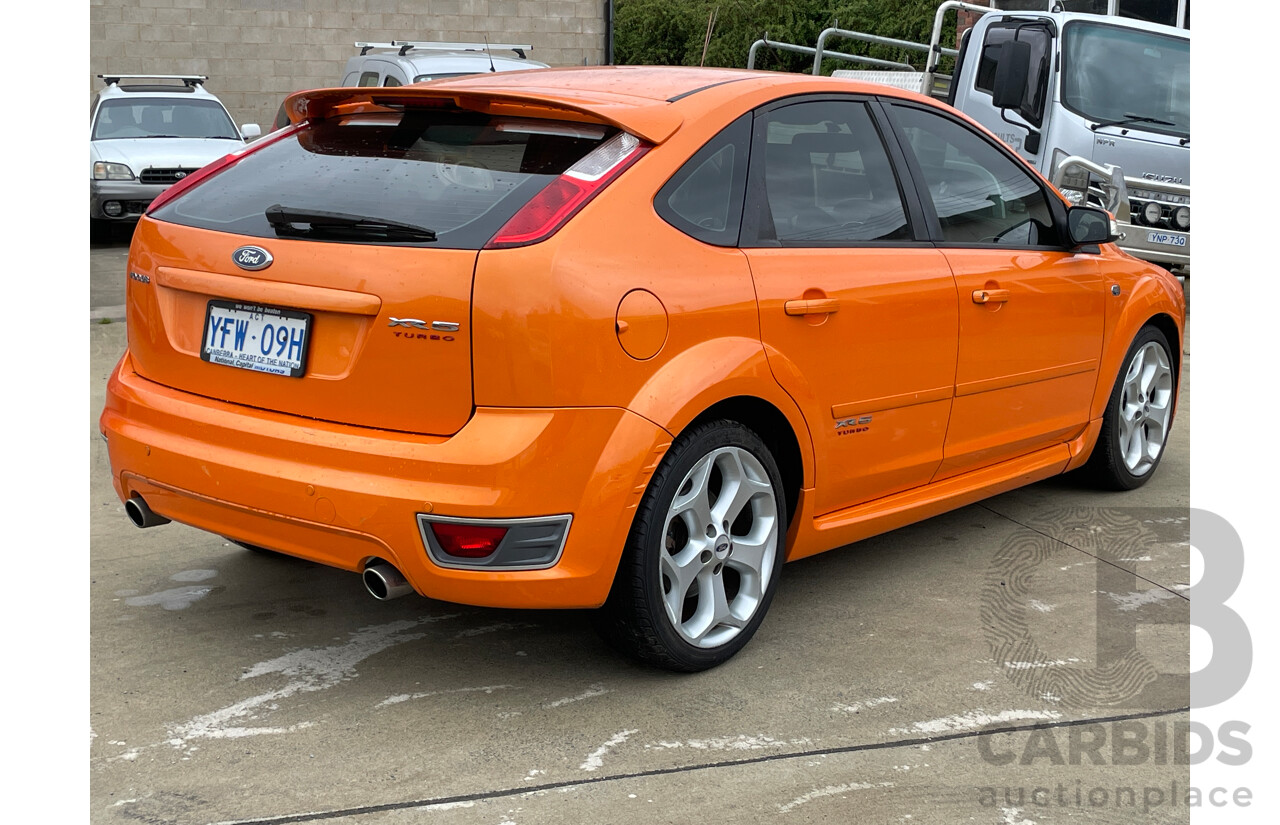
{"points": [[1088, 225], [249, 131], [1013, 68]]}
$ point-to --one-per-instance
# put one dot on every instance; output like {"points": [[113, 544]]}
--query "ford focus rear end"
{"points": [[299, 372]]}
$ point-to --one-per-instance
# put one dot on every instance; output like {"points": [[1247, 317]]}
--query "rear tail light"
{"points": [[468, 541], [225, 162], [552, 208]]}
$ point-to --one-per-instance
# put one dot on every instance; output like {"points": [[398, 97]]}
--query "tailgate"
{"points": [[372, 356]]}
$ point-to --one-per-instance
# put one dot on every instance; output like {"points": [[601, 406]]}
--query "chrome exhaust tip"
{"points": [[385, 582], [141, 515]]}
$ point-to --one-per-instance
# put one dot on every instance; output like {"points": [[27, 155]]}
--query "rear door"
{"points": [[328, 274], [858, 316], [1031, 310]]}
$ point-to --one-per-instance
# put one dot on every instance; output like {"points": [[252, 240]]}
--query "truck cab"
{"points": [[1061, 88], [1096, 98]]}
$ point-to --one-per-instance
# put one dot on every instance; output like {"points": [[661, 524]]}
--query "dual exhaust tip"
{"points": [[382, 580]]}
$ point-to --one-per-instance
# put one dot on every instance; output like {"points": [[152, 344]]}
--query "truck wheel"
{"points": [[1139, 414], [705, 552]]}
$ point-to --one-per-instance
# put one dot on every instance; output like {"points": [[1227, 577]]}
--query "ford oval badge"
{"points": [[252, 258]]}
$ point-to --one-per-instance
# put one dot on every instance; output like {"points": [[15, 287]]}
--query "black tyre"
{"points": [[1139, 415], [705, 552]]}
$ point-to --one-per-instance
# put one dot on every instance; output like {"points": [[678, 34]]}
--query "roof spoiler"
{"points": [[406, 46], [187, 79], [654, 122]]}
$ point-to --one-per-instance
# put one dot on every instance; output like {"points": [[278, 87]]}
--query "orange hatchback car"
{"points": [[623, 338]]}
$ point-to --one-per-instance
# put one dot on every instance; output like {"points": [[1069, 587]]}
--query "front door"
{"points": [[1031, 309]]}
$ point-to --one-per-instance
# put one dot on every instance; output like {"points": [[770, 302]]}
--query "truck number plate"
{"points": [[258, 338], [1166, 239]]}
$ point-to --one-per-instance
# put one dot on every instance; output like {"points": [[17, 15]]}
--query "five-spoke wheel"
{"points": [[1139, 413], [704, 554]]}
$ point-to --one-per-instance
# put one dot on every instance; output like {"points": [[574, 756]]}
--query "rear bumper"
{"points": [[343, 496]]}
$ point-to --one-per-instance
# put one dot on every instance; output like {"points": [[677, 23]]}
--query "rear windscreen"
{"points": [[459, 175]]}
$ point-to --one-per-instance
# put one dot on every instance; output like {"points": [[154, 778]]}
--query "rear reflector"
{"points": [[468, 541], [552, 208], [225, 162]]}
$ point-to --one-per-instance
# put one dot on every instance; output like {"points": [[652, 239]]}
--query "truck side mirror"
{"points": [[1088, 225], [1013, 68]]}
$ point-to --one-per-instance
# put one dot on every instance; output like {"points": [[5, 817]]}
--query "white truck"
{"points": [[1099, 103]]}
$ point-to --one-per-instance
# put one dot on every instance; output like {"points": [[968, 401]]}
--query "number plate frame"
{"points": [[1166, 239], [249, 355]]}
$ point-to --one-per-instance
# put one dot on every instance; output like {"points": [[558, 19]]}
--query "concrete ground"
{"points": [[1019, 661]]}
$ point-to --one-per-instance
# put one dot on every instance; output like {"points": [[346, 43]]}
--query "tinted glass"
{"points": [[704, 198], [981, 195], [145, 117], [1115, 74], [459, 174], [368, 79], [828, 180]]}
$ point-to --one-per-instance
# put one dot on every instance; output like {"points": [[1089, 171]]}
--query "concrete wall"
{"points": [[255, 52]]}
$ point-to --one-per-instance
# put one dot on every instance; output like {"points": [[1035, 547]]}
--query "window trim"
{"points": [[1057, 208], [756, 220]]}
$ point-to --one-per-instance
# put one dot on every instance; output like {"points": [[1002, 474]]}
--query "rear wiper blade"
{"points": [[1128, 118], [292, 221]]}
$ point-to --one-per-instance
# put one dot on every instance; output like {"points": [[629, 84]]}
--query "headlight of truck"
{"points": [[103, 170], [1182, 218]]}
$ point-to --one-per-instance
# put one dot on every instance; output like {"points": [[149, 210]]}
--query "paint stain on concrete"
{"points": [[976, 719], [830, 790], [595, 759], [306, 671], [591, 692]]}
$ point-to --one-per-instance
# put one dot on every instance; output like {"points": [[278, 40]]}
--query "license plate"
{"points": [[258, 338], [1167, 240]]}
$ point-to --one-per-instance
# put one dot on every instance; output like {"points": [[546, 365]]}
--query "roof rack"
{"points": [[405, 46], [187, 79]]}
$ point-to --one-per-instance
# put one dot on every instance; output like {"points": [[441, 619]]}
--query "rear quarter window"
{"points": [[460, 174]]}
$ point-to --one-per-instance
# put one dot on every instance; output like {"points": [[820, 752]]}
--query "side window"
{"points": [[391, 81], [981, 195], [704, 199], [827, 177], [368, 79]]}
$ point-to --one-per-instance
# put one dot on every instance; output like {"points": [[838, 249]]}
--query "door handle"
{"points": [[990, 296], [819, 306]]}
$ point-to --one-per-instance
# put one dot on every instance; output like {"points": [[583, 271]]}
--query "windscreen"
{"points": [[156, 117], [455, 176], [1134, 78]]}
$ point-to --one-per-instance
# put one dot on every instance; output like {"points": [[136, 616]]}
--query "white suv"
{"points": [[402, 62], [146, 136]]}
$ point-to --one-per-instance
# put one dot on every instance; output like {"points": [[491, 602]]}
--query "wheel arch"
{"points": [[1152, 302], [731, 378], [768, 422]]}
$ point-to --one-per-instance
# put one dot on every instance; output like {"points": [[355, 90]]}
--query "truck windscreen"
{"points": [[1137, 79]]}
